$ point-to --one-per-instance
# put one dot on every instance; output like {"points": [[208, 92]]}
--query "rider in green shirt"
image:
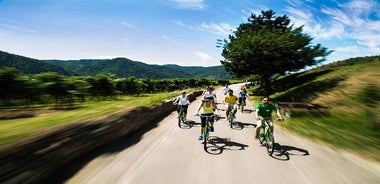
{"points": [[264, 110]]}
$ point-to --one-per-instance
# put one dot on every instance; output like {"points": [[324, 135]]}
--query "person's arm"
{"points": [[199, 108], [215, 107], [279, 114], [187, 98], [257, 114], [176, 100]]}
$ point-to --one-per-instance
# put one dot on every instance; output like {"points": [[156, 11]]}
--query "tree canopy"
{"points": [[268, 45]]}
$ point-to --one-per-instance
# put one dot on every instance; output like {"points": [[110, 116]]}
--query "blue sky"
{"points": [[182, 32]]}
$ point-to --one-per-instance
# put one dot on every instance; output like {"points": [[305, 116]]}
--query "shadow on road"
{"points": [[283, 152], [237, 125], [69, 170], [248, 110], [217, 145], [189, 124]]}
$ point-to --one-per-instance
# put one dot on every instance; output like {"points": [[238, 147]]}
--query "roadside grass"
{"points": [[14, 129], [345, 106]]}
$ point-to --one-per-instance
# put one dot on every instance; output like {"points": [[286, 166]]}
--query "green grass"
{"points": [[14, 129], [346, 96]]}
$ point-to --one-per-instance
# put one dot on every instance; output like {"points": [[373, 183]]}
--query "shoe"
{"points": [[211, 129], [200, 137]]}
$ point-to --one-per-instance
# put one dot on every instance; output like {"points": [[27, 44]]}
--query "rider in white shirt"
{"points": [[183, 102]]}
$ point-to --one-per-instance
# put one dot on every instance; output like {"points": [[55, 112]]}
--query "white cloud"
{"points": [[221, 28], [350, 20], [168, 38], [189, 4], [16, 28], [182, 24], [129, 25], [204, 57]]}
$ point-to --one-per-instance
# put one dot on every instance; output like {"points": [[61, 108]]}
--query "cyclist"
{"points": [[231, 101], [264, 111], [243, 95], [183, 102], [226, 89], [208, 107], [209, 94]]}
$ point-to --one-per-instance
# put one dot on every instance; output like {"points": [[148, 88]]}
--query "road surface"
{"points": [[167, 154]]}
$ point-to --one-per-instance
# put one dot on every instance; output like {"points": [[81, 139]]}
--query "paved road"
{"points": [[168, 154]]}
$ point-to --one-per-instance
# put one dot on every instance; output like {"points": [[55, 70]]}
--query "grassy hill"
{"points": [[341, 105], [27, 65], [121, 67]]}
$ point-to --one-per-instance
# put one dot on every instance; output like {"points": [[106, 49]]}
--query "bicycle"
{"points": [[242, 104], [206, 129], [181, 116], [230, 116], [266, 134]]}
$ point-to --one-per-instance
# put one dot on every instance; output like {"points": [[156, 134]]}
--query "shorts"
{"points": [[203, 119], [234, 106], [184, 108], [259, 122], [241, 99]]}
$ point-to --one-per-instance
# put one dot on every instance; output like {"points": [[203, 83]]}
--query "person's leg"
{"points": [[203, 124], [185, 112], [212, 125], [258, 127], [226, 110]]}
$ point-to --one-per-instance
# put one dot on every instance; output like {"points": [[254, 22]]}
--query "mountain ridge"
{"points": [[121, 67]]}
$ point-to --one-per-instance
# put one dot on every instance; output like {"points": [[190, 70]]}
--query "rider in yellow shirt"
{"points": [[231, 101], [208, 107]]}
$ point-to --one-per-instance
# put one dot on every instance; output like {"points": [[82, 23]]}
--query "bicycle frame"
{"points": [[180, 116], [266, 134], [242, 104], [205, 130], [230, 116]]}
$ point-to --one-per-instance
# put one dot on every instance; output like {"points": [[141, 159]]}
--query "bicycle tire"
{"points": [[261, 137], [180, 119], [205, 135], [230, 117], [270, 142]]}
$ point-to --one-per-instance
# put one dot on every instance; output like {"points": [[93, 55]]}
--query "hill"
{"points": [[124, 67], [27, 65], [336, 104], [121, 67]]}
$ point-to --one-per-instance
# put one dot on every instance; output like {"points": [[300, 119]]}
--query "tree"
{"points": [[268, 45]]}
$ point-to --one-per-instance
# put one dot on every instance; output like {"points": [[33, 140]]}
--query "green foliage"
{"points": [[50, 87], [268, 45], [369, 95]]}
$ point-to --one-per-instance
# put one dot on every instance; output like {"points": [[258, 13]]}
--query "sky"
{"points": [[182, 32]]}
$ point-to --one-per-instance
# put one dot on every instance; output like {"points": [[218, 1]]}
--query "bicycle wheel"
{"points": [[231, 119], [242, 107], [180, 118], [270, 142], [261, 136], [205, 135]]}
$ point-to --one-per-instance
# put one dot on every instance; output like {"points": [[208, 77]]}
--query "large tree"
{"points": [[268, 45]]}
